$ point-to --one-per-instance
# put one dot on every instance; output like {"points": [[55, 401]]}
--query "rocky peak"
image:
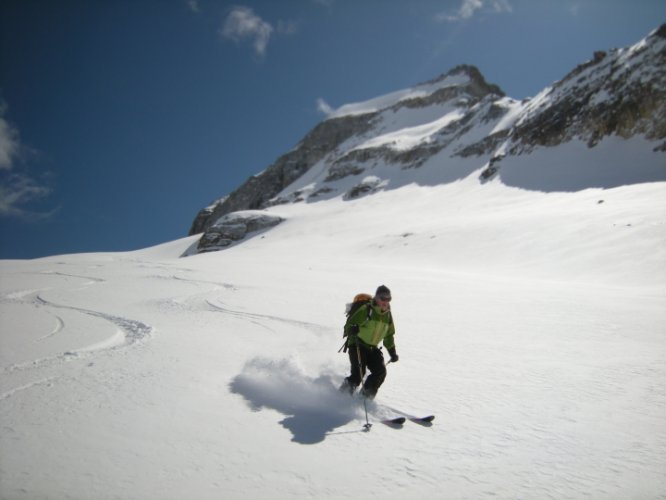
{"points": [[454, 125], [477, 83], [464, 83]]}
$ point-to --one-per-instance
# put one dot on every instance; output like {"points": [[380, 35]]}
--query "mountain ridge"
{"points": [[456, 124], [323, 139]]}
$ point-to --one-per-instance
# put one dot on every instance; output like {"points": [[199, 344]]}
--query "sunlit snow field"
{"points": [[532, 324]]}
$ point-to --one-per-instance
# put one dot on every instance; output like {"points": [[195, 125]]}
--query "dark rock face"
{"points": [[203, 216], [622, 93], [367, 186], [256, 192], [235, 227]]}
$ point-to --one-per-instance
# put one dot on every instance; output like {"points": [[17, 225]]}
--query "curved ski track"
{"points": [[256, 318], [131, 332], [198, 300]]}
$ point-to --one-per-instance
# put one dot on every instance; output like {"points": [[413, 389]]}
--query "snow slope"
{"points": [[530, 322]]}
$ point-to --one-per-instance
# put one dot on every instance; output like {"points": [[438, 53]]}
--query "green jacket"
{"points": [[374, 329]]}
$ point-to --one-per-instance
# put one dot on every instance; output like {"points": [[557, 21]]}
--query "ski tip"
{"points": [[394, 421], [425, 421]]}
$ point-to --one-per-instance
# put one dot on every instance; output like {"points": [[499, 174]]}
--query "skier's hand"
{"points": [[394, 355], [353, 330]]}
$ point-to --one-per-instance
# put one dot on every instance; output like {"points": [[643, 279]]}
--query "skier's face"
{"points": [[384, 302]]}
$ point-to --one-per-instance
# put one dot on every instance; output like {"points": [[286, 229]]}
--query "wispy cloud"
{"points": [[470, 8], [193, 5], [17, 189], [242, 24], [9, 142], [323, 107]]}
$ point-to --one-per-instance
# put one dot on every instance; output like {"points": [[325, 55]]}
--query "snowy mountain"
{"points": [[528, 304], [458, 125]]}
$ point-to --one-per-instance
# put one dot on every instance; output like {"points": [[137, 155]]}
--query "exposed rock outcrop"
{"points": [[621, 92], [256, 192], [235, 227]]}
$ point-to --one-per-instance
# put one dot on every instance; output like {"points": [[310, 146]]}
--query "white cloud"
{"points": [[323, 107], [501, 6], [16, 188], [9, 143], [469, 8], [243, 24]]}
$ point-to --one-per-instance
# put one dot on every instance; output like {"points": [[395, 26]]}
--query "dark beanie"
{"points": [[382, 290]]}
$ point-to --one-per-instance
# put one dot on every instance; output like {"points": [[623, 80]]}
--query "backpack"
{"points": [[359, 300]]}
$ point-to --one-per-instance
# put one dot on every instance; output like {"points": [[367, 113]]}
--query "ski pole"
{"points": [[365, 398]]}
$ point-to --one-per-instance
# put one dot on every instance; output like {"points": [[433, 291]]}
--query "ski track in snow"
{"points": [[129, 332], [257, 318], [59, 326], [91, 280], [133, 330], [200, 300], [11, 392]]}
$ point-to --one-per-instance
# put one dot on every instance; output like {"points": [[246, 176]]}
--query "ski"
{"points": [[397, 421], [425, 420]]}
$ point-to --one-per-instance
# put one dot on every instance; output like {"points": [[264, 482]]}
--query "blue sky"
{"points": [[120, 119]]}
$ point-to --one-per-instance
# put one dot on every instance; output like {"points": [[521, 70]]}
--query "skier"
{"points": [[369, 325]]}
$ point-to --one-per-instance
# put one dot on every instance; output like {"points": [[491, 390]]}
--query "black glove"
{"points": [[393, 354], [353, 330]]}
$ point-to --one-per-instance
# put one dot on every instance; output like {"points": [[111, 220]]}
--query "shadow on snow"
{"points": [[313, 406]]}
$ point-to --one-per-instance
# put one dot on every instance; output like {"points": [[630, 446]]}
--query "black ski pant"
{"points": [[364, 357]]}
